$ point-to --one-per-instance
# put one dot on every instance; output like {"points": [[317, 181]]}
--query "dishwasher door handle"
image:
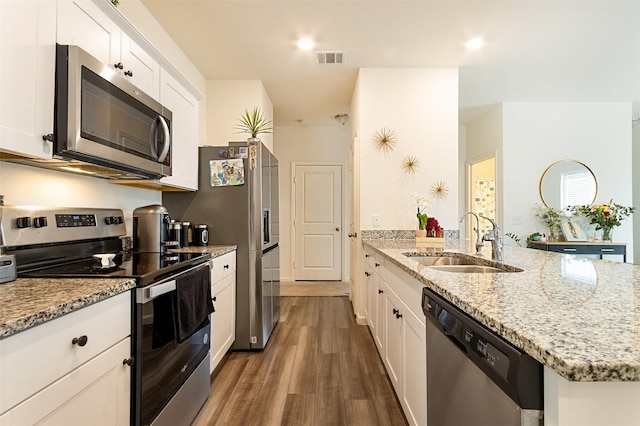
{"points": [[456, 341]]}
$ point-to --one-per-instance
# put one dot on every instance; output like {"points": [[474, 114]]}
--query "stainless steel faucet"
{"points": [[478, 239], [495, 236]]}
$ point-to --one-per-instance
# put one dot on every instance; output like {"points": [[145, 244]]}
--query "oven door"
{"points": [[163, 366], [102, 118]]}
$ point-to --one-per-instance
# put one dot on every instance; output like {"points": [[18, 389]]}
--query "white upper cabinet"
{"points": [[140, 67], [82, 23], [27, 66], [184, 132]]}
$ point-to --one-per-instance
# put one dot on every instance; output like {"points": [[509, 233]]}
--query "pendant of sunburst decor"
{"points": [[385, 139], [439, 189], [410, 163]]}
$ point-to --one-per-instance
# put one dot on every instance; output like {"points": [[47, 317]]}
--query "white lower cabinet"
{"points": [[70, 370], [96, 393], [223, 293], [393, 325], [414, 368], [397, 325]]}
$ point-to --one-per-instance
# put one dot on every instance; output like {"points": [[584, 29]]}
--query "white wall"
{"points": [[226, 102], [307, 144], [421, 106], [485, 139], [26, 185], [538, 134]]}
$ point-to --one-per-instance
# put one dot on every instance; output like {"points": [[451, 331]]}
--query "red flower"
{"points": [[607, 213], [432, 224]]}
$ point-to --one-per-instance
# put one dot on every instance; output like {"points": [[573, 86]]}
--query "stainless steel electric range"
{"points": [[170, 380]]}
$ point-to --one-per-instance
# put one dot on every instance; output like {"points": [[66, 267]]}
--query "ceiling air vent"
{"points": [[330, 57]]}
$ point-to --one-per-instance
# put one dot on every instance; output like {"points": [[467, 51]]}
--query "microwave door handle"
{"points": [[152, 137], [167, 139], [159, 122]]}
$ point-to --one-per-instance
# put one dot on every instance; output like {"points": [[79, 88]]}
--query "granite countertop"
{"points": [[578, 316], [27, 302], [214, 250]]}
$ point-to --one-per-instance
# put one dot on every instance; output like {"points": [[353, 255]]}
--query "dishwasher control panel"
{"points": [[494, 358]]}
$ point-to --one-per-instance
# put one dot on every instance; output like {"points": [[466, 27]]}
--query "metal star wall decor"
{"points": [[439, 189], [385, 139], [410, 163]]}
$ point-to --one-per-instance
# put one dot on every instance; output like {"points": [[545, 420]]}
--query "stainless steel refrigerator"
{"points": [[247, 215]]}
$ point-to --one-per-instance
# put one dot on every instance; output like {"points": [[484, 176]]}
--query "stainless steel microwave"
{"points": [[104, 121]]}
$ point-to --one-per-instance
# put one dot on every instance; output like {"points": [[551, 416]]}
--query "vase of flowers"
{"points": [[551, 218], [605, 216], [422, 204]]}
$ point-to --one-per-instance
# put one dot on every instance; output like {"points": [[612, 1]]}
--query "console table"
{"points": [[588, 247]]}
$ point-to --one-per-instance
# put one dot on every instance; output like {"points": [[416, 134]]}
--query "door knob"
{"points": [[337, 229], [352, 234]]}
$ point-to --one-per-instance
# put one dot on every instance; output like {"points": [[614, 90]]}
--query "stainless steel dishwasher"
{"points": [[473, 376]]}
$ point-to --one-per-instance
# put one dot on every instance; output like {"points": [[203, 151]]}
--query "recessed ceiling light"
{"points": [[305, 43], [474, 43]]}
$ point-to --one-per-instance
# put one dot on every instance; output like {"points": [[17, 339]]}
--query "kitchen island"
{"points": [[580, 318]]}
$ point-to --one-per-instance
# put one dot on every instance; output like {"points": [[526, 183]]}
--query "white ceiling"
{"points": [[553, 51]]}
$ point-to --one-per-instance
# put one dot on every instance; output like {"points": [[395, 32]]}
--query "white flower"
{"points": [[422, 202]]}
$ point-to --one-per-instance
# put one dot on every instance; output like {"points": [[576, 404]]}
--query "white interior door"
{"points": [[318, 222]]}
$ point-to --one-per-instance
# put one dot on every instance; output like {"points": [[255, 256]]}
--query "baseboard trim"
{"points": [[361, 320]]}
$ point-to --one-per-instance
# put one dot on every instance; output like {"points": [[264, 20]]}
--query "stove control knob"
{"points": [[23, 222], [120, 220], [40, 222], [109, 220]]}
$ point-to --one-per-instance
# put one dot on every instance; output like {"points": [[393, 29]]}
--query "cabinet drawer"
{"points": [[587, 249], [96, 393], [34, 358], [222, 266]]}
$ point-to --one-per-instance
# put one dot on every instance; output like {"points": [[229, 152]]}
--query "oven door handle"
{"points": [[149, 293]]}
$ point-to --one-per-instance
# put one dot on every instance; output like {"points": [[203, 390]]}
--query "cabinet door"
{"points": [[368, 291], [223, 320], [27, 70], [378, 317], [393, 325], [82, 23], [414, 368], [184, 128], [140, 68], [96, 393]]}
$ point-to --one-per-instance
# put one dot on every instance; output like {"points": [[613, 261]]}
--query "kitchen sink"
{"points": [[461, 264], [469, 269], [443, 260]]}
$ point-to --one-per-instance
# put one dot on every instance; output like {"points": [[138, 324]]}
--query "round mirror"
{"points": [[568, 183]]}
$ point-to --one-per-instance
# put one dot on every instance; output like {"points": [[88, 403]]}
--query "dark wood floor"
{"points": [[319, 368]]}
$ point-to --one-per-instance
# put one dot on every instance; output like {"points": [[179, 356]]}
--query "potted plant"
{"points": [[254, 123]]}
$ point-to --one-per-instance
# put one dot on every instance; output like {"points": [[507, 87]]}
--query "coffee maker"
{"points": [[151, 229]]}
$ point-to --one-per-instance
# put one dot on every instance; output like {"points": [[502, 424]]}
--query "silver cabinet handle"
{"points": [[568, 249], [607, 249]]}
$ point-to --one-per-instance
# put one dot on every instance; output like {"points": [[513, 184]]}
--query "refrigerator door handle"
{"points": [[266, 225]]}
